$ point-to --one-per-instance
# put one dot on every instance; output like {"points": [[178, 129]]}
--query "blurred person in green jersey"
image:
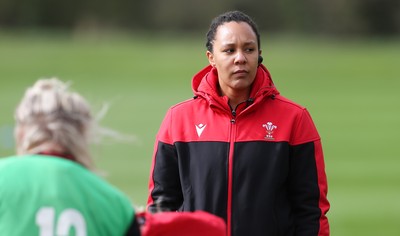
{"points": [[49, 188]]}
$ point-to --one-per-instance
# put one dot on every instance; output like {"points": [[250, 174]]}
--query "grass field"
{"points": [[350, 87]]}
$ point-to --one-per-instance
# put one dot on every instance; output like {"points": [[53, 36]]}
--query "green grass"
{"points": [[351, 89]]}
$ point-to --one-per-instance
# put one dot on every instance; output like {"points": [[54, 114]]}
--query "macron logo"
{"points": [[200, 129]]}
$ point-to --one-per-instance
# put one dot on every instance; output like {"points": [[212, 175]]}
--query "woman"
{"points": [[48, 189], [239, 149]]}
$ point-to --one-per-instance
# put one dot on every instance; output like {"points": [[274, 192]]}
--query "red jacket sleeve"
{"points": [[308, 182], [164, 183]]}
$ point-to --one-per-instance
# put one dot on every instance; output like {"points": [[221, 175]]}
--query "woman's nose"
{"points": [[240, 58]]}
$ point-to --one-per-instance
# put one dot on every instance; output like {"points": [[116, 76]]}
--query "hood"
{"points": [[204, 84]]}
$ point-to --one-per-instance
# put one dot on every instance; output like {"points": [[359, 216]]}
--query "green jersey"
{"points": [[46, 196]]}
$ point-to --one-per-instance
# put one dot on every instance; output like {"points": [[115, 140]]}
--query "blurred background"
{"points": [[334, 18], [339, 58]]}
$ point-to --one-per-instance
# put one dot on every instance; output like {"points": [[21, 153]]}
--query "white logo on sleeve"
{"points": [[200, 129]]}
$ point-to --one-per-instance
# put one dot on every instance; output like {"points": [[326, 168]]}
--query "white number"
{"points": [[45, 220], [68, 218]]}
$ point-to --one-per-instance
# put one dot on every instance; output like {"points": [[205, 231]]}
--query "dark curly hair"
{"points": [[226, 17]]}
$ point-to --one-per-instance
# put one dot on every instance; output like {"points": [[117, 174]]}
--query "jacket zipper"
{"points": [[233, 120], [232, 138], [230, 171]]}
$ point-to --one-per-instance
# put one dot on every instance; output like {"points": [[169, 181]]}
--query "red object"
{"points": [[198, 223], [58, 154]]}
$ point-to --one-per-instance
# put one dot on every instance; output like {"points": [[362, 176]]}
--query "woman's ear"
{"points": [[260, 59], [210, 57]]}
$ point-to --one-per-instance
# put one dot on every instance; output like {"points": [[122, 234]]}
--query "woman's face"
{"points": [[235, 56]]}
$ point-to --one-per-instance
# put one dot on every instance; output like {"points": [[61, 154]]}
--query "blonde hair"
{"points": [[50, 115]]}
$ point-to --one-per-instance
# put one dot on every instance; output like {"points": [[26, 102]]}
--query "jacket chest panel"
{"points": [[197, 122]]}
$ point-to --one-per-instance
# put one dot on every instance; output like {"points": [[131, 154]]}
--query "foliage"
{"points": [[334, 18]]}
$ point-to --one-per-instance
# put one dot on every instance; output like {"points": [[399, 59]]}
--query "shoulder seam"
{"points": [[288, 101], [181, 103]]}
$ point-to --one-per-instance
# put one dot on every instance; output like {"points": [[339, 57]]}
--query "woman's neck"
{"points": [[51, 149], [235, 97]]}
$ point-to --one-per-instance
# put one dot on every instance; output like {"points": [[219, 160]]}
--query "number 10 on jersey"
{"points": [[67, 219]]}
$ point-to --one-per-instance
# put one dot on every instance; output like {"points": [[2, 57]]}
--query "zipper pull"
{"points": [[233, 120]]}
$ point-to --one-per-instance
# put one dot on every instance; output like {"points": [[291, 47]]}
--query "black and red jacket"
{"points": [[259, 165]]}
